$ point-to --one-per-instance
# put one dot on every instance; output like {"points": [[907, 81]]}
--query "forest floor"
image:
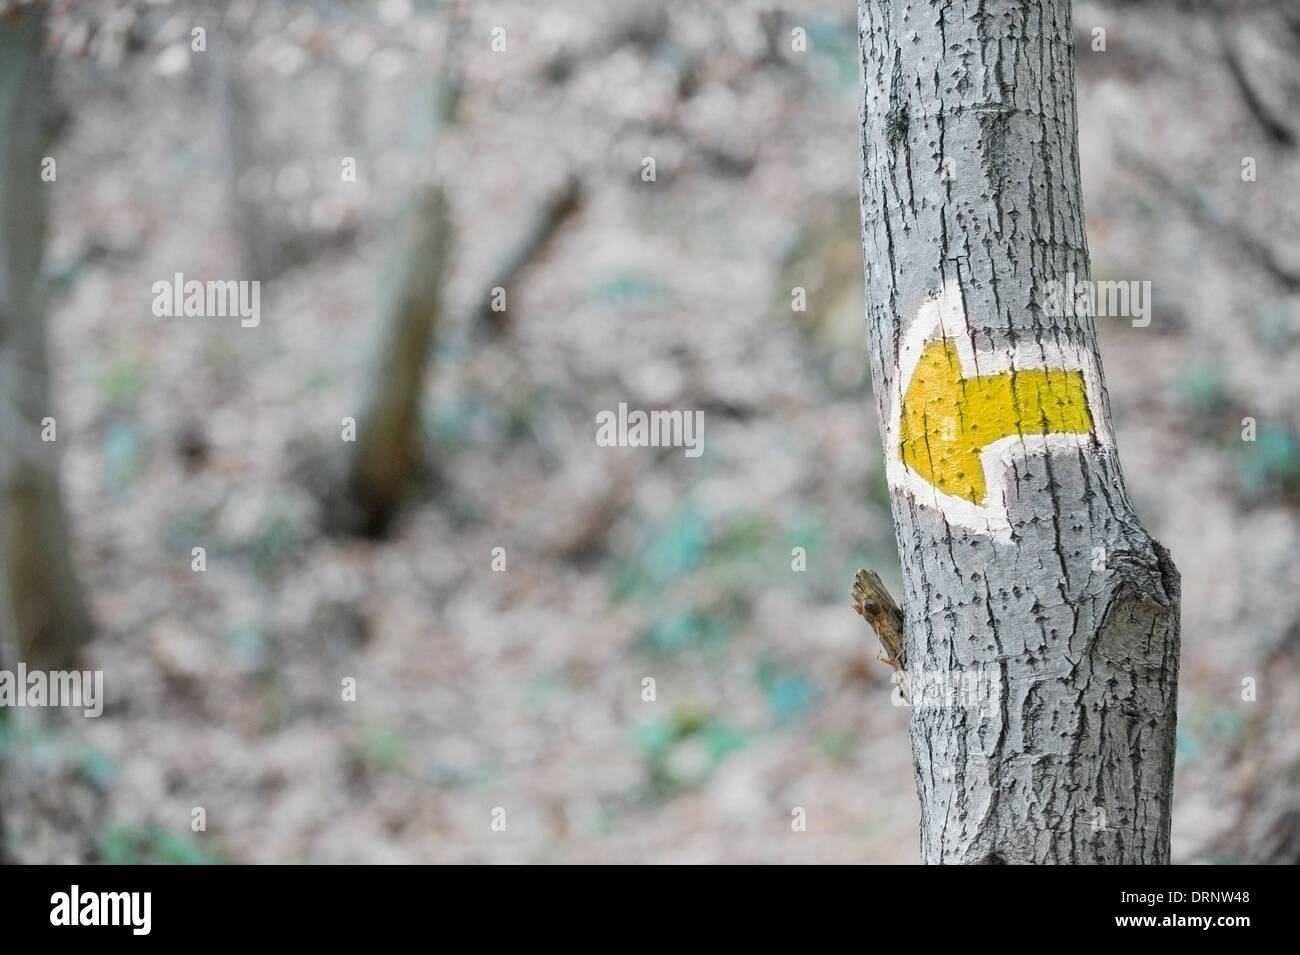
{"points": [[523, 690]]}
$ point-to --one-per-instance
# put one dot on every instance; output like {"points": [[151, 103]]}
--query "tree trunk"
{"points": [[389, 442], [44, 603], [259, 236], [1041, 620]]}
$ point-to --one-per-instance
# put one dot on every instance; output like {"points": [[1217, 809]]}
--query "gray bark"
{"points": [[44, 609], [1064, 751]]}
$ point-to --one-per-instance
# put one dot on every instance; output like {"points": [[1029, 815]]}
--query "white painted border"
{"points": [[942, 316]]}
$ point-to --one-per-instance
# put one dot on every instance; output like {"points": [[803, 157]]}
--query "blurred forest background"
{"points": [[522, 689]]}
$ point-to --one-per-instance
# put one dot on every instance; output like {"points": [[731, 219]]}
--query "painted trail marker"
{"points": [[949, 419], [959, 418]]}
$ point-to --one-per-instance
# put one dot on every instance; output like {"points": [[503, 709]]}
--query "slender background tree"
{"points": [[1030, 587], [44, 602]]}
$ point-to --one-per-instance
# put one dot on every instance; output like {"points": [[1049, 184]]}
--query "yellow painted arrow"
{"points": [[947, 420]]}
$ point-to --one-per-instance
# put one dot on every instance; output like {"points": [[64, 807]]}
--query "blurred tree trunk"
{"points": [[44, 601], [7, 642], [1028, 581], [258, 236], [388, 440]]}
